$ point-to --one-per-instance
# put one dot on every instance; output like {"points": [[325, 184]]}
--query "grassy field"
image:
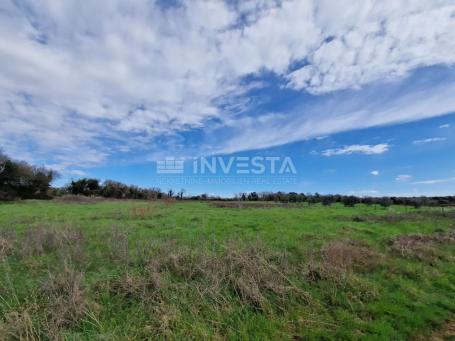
{"points": [[194, 270]]}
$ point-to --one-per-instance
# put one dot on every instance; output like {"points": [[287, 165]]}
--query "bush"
{"points": [[19, 180]]}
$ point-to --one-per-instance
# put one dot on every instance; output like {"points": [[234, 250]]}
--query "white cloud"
{"points": [[433, 181], [372, 41], [403, 178], [358, 149], [430, 140], [65, 168], [77, 172], [130, 73], [444, 126], [374, 173]]}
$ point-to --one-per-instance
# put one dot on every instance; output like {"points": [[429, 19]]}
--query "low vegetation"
{"points": [[191, 270]]}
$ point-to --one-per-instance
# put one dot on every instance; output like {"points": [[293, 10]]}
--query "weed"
{"points": [[167, 317], [68, 242], [18, 325], [350, 254], [141, 212], [170, 201], [336, 264], [246, 272], [118, 250], [67, 303], [7, 241], [421, 247]]}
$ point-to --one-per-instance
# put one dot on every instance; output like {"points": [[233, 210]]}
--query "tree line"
{"points": [[110, 189], [20, 180], [347, 200]]}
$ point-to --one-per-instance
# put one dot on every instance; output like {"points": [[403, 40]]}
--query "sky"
{"points": [[358, 94]]}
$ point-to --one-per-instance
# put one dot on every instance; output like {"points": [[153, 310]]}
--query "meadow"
{"points": [[137, 270]]}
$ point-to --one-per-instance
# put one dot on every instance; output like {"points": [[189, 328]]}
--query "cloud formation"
{"points": [[403, 178], [81, 83], [429, 140], [358, 149], [434, 181], [375, 40]]}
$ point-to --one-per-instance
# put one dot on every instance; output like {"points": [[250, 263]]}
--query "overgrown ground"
{"points": [[194, 270]]}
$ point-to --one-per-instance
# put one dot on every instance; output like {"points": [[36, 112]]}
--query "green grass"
{"points": [[190, 270]]}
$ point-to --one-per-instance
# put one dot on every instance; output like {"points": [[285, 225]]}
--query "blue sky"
{"points": [[359, 94]]}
